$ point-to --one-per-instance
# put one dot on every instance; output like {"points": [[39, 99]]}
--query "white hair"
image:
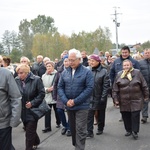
{"points": [[26, 58], [76, 52], [39, 56], [46, 59]]}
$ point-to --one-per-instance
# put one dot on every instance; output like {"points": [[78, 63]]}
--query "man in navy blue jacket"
{"points": [[74, 89], [117, 64]]}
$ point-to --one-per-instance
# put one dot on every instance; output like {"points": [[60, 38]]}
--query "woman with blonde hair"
{"points": [[32, 90], [129, 92]]}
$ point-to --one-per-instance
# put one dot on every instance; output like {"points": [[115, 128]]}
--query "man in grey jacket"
{"points": [[145, 70], [10, 108]]}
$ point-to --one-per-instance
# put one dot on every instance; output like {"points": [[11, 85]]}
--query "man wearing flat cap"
{"points": [[98, 100]]}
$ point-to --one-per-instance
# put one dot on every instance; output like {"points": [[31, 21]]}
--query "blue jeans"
{"points": [[62, 117], [5, 138]]}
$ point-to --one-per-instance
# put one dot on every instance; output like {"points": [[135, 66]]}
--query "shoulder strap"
{"points": [[53, 80]]}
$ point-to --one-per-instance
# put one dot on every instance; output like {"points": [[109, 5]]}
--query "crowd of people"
{"points": [[79, 85]]}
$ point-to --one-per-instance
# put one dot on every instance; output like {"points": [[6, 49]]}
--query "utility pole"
{"points": [[116, 25]]}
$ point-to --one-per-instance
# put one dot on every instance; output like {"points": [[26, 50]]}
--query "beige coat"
{"points": [[47, 81]]}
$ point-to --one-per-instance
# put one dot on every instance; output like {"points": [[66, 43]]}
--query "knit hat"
{"points": [[95, 57]]}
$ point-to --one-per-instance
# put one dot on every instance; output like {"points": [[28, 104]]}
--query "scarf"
{"points": [[127, 73]]}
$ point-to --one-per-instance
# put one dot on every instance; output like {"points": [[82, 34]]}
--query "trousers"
{"points": [[78, 127]]}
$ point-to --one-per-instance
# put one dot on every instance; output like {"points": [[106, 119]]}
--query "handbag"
{"points": [[41, 110]]}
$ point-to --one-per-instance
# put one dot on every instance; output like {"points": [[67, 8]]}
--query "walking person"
{"points": [[145, 70], [32, 90], [98, 100], [74, 88], [59, 104], [10, 108], [129, 91], [48, 80]]}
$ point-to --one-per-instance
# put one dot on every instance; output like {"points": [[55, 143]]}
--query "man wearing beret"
{"points": [[98, 100]]}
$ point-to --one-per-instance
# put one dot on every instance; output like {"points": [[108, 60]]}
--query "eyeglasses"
{"points": [[72, 60]]}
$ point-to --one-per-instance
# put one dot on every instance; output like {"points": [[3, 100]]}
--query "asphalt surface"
{"points": [[112, 139]]}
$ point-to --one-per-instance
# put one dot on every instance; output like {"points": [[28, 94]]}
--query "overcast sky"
{"points": [[78, 15]]}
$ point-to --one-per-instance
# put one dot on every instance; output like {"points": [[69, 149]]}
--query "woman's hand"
{"points": [[28, 105], [116, 104], [50, 89]]}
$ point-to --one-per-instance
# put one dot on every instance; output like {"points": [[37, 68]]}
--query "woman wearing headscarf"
{"points": [[32, 90], [129, 91]]}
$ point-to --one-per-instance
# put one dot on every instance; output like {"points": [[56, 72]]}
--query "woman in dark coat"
{"points": [[98, 100], [129, 91], [32, 90]]}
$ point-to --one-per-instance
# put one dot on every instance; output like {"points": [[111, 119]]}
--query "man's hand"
{"points": [[70, 103]]}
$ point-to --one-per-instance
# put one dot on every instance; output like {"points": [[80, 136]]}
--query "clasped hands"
{"points": [[70, 103]]}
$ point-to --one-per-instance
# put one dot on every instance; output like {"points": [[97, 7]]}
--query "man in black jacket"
{"points": [[145, 70]]}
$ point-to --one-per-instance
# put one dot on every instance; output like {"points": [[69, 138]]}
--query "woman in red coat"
{"points": [[129, 91]]}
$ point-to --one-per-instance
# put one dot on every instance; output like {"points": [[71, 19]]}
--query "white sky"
{"points": [[78, 15]]}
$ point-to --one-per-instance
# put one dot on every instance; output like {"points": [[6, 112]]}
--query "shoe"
{"points": [[135, 135], [90, 135], [144, 120], [120, 120], [128, 133], [99, 132], [63, 131], [58, 126], [46, 130], [95, 123], [34, 147], [68, 133]]}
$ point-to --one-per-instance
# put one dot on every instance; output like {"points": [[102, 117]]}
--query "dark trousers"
{"points": [[5, 138], [48, 116], [78, 126], [145, 109], [131, 121], [100, 117], [62, 117], [32, 137]]}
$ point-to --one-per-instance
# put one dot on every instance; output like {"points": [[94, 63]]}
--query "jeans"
{"points": [[62, 117], [5, 138]]}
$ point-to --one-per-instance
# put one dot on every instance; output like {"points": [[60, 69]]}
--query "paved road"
{"points": [[112, 139]]}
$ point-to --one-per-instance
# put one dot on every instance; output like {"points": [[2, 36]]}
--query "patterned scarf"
{"points": [[127, 73]]}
